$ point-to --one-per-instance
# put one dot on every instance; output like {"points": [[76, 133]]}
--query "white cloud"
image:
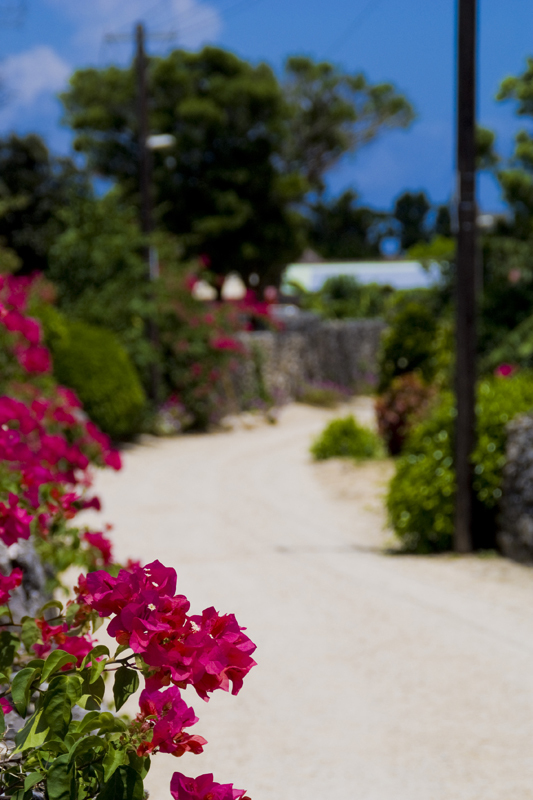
{"points": [[194, 21], [28, 75]]}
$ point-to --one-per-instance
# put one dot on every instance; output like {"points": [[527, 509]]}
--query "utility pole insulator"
{"points": [[466, 277]]}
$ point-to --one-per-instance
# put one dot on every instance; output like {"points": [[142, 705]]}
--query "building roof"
{"points": [[398, 274]]}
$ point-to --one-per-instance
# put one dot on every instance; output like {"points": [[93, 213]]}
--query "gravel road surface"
{"points": [[379, 677]]}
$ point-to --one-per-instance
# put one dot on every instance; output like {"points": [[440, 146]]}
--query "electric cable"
{"points": [[365, 12]]}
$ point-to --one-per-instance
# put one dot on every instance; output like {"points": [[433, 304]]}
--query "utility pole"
{"points": [[465, 284], [145, 190]]}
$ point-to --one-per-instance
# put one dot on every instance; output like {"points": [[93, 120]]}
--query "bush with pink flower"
{"points": [[61, 736]]}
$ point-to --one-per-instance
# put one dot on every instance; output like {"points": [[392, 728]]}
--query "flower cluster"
{"points": [[52, 668], [30, 352], [208, 652], [47, 444], [203, 788]]}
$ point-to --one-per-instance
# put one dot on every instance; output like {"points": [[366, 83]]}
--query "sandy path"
{"points": [[380, 677]]}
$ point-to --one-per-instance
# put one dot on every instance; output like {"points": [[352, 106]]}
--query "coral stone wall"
{"points": [[309, 350], [515, 536]]}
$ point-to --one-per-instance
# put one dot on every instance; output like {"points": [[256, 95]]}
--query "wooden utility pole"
{"points": [[145, 189], [465, 287]]}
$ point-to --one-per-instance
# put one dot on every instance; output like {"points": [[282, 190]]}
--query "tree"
{"points": [[410, 210], [331, 113], [34, 187], [97, 267], [516, 180], [247, 148], [340, 229], [218, 187]]}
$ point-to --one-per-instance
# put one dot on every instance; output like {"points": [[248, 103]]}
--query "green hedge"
{"points": [[420, 500], [345, 438], [91, 360], [409, 345]]}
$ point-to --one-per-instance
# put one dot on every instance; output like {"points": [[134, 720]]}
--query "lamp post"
{"points": [[465, 285]]}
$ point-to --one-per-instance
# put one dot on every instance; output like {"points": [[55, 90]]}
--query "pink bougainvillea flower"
{"points": [[504, 370], [167, 715], [78, 646], [101, 543], [208, 652], [8, 583], [227, 343], [34, 358], [202, 788], [14, 521], [5, 706]]}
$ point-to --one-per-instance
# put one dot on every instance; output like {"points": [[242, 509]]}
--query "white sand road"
{"points": [[379, 677]]}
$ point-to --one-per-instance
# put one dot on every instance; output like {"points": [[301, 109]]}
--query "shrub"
{"points": [[92, 361], [408, 345], [400, 407], [324, 395], [515, 348], [345, 438], [420, 500]]}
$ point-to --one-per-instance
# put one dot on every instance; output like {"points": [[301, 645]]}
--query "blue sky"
{"points": [[409, 42]]}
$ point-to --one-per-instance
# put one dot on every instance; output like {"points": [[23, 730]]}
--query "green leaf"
{"points": [[99, 650], [90, 744], [114, 758], [60, 780], [8, 648], [2, 722], [92, 693], [140, 764], [57, 703], [90, 722], [36, 662], [21, 688], [72, 610], [54, 662], [124, 784], [109, 723], [32, 779], [51, 604], [30, 632], [34, 733], [126, 683]]}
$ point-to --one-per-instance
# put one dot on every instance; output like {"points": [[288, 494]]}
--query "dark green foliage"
{"points": [[218, 187], [345, 438], [330, 113], [408, 345], [343, 297], [410, 211], [516, 348], [342, 230], [507, 288], [92, 361], [247, 148], [34, 186], [99, 271], [443, 222], [420, 501]]}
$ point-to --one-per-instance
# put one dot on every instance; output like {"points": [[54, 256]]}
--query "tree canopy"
{"points": [[248, 148], [34, 187]]}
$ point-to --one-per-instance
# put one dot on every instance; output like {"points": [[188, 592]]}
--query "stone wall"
{"points": [[309, 350], [515, 536]]}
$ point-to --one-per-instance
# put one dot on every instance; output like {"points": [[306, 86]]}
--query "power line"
{"points": [[347, 32]]}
